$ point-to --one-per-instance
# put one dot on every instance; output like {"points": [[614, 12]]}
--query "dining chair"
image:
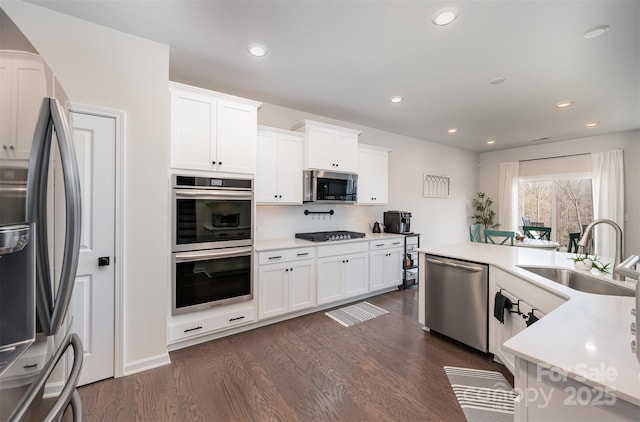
{"points": [[526, 221], [474, 233], [535, 232], [573, 242], [489, 236]]}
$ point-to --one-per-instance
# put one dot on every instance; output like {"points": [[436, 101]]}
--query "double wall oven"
{"points": [[212, 242]]}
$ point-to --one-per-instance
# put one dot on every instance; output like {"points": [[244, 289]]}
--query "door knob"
{"points": [[103, 261]]}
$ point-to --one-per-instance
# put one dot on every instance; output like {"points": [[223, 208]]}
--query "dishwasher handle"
{"points": [[456, 265]]}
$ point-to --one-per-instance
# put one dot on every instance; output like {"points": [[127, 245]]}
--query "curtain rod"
{"points": [[557, 156]]}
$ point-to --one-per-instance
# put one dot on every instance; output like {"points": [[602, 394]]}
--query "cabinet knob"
{"points": [[11, 147], [275, 196], [213, 162], [219, 163], [4, 147], [286, 270]]}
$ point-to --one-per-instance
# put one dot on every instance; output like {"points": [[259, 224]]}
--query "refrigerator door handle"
{"points": [[36, 211], [73, 215], [53, 310]]}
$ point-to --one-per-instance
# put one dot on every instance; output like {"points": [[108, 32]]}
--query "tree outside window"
{"points": [[562, 203]]}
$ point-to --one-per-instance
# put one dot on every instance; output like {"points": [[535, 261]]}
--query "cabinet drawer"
{"points": [[211, 321], [385, 243], [342, 249], [285, 255]]}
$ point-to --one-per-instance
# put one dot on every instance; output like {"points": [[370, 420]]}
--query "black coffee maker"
{"points": [[397, 222]]}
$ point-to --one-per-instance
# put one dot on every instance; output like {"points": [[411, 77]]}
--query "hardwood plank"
{"points": [[309, 368]]}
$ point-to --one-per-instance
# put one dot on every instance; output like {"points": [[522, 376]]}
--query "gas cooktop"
{"points": [[332, 235]]}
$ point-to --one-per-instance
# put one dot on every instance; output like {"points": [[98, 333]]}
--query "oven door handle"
{"points": [[207, 194], [215, 254]]}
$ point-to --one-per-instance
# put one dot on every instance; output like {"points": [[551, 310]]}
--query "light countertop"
{"points": [[292, 242], [587, 338]]}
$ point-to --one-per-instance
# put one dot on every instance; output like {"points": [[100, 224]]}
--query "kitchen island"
{"points": [[576, 361]]}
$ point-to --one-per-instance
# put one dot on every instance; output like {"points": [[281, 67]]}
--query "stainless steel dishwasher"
{"points": [[456, 300]]}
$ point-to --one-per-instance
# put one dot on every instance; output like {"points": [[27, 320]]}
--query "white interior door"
{"points": [[92, 305]]}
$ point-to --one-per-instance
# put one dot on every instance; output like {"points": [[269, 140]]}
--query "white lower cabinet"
{"points": [[286, 281], [343, 271], [531, 297], [385, 263]]}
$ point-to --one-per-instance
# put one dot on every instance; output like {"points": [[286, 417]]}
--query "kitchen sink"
{"points": [[579, 281]]}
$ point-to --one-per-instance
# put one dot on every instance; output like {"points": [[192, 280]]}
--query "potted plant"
{"points": [[586, 263], [484, 215]]}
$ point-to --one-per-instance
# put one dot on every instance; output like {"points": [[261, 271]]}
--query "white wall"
{"points": [[440, 221], [102, 67], [628, 141]]}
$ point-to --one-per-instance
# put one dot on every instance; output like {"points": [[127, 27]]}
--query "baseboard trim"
{"points": [[146, 364]]}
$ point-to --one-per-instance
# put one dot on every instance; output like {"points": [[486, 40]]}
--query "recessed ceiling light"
{"points": [[444, 17], [257, 50], [396, 99], [596, 32], [452, 130], [592, 124], [564, 104], [491, 142], [498, 80]]}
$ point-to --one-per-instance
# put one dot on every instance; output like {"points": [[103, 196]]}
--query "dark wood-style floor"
{"points": [[308, 369]]}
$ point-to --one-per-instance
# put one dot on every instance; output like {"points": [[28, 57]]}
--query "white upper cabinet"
{"points": [[212, 131], [329, 147], [373, 175], [23, 85], [279, 170]]}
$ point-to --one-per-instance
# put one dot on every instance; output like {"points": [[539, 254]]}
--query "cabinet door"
{"points": [[273, 289], [7, 108], [320, 148], [289, 172], [329, 280], [373, 174], [393, 267], [237, 126], [193, 137], [345, 151], [23, 85], [267, 168], [377, 270], [302, 293], [355, 274]]}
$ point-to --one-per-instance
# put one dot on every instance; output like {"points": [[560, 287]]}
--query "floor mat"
{"points": [[482, 395], [355, 314]]}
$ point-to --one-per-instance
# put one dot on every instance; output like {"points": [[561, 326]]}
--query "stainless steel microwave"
{"points": [[329, 187]]}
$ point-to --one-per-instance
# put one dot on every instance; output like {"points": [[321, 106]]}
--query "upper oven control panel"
{"points": [[211, 183]]}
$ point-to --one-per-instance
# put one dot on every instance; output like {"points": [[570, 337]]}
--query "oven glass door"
{"points": [[204, 279], [205, 219]]}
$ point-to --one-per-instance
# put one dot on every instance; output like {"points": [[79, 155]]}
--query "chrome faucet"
{"points": [[582, 243]]}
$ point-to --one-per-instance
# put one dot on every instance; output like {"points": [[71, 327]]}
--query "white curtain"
{"points": [[607, 179], [508, 196]]}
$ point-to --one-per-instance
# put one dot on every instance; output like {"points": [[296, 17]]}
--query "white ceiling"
{"points": [[344, 59]]}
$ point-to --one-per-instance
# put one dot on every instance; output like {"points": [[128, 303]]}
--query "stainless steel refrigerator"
{"points": [[34, 302]]}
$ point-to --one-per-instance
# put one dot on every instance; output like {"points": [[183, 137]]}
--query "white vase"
{"points": [[583, 265]]}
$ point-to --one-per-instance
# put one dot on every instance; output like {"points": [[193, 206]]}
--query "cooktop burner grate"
{"points": [[330, 235]]}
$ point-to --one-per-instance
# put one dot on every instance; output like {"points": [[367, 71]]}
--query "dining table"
{"points": [[537, 243]]}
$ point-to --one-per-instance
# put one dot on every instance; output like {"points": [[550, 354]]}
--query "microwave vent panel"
{"points": [[436, 186]]}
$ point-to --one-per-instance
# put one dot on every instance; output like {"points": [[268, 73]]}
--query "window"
{"points": [[562, 202]]}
